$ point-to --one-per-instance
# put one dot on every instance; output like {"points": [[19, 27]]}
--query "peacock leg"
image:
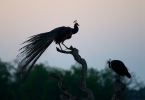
{"points": [[65, 46], [60, 46]]}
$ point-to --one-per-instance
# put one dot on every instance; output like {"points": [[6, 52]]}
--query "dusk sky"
{"points": [[108, 29]]}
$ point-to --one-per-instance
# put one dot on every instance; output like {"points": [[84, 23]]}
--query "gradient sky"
{"points": [[108, 29]]}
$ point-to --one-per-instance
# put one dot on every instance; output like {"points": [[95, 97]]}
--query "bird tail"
{"points": [[30, 53], [128, 74]]}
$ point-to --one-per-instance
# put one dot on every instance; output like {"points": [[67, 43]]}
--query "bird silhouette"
{"points": [[37, 44], [119, 67]]}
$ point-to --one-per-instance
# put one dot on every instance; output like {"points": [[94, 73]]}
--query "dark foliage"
{"points": [[40, 86]]}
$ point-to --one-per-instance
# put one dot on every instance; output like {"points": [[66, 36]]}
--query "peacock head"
{"points": [[76, 29], [109, 63], [76, 24]]}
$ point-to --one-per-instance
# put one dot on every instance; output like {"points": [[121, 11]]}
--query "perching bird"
{"points": [[119, 67], [37, 44]]}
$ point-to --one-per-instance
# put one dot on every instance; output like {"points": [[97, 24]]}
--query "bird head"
{"points": [[109, 63], [76, 24]]}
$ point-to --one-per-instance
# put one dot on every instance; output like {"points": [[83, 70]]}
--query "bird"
{"points": [[38, 43], [119, 67]]}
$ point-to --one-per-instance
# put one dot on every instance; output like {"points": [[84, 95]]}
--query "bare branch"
{"points": [[64, 90]]}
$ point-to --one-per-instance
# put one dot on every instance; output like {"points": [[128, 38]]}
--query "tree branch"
{"points": [[118, 87], [64, 90]]}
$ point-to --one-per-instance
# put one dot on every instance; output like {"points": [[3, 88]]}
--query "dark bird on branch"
{"points": [[119, 67], [37, 44]]}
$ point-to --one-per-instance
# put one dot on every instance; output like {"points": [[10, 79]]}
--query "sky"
{"points": [[108, 29]]}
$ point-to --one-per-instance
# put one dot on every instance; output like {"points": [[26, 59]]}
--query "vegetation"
{"points": [[40, 86]]}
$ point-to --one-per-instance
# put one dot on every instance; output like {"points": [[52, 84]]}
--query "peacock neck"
{"points": [[109, 64], [75, 30]]}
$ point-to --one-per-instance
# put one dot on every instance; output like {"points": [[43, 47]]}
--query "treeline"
{"points": [[40, 86]]}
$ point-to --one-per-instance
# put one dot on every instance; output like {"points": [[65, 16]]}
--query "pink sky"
{"points": [[108, 29]]}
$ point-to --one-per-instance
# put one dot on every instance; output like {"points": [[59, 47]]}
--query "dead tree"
{"points": [[118, 87], [67, 95]]}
